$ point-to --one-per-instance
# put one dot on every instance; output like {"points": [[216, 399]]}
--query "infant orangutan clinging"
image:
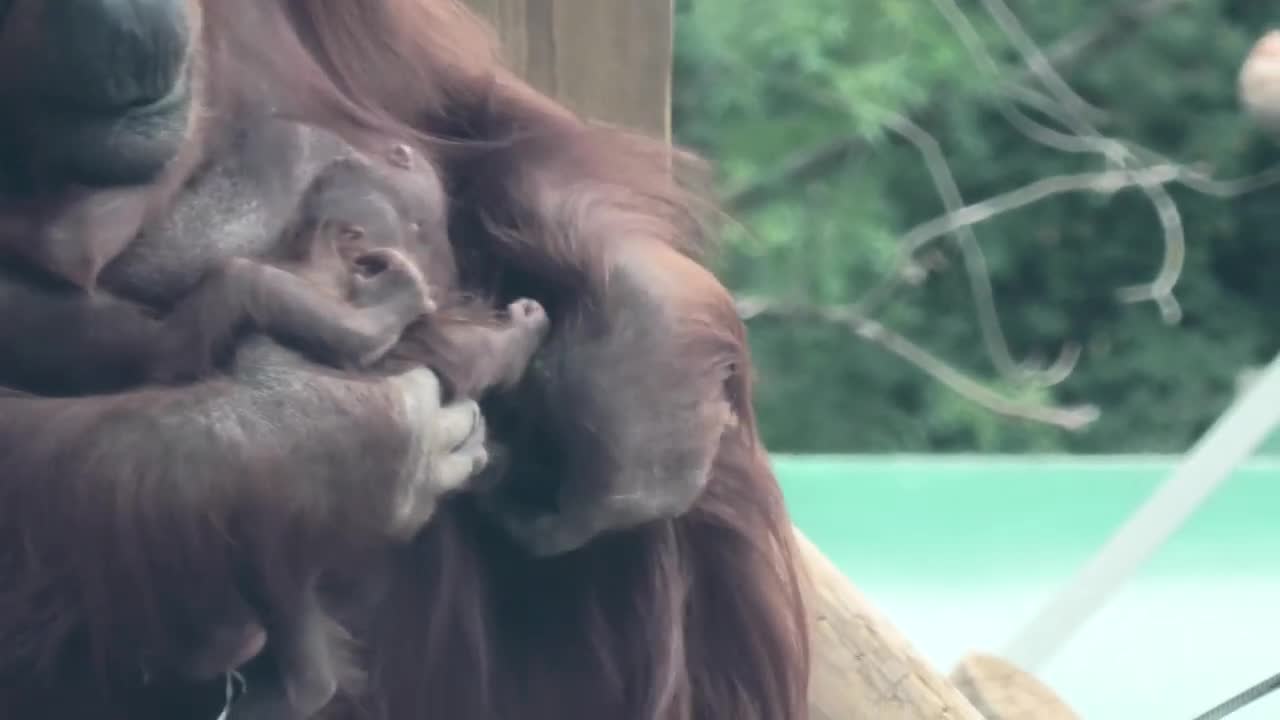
{"points": [[349, 283], [361, 233], [352, 286]]}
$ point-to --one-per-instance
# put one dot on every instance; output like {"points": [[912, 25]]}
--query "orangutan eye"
{"points": [[352, 233]]}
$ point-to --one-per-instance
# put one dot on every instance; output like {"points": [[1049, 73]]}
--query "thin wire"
{"points": [[236, 687], [1256, 692]]}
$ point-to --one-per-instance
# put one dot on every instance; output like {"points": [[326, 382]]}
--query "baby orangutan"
{"points": [[346, 285], [347, 289], [345, 296]]}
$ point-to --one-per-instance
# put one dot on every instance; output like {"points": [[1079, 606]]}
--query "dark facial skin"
{"points": [[101, 101], [104, 89]]}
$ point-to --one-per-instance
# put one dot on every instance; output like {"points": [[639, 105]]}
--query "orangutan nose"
{"points": [[109, 55]]}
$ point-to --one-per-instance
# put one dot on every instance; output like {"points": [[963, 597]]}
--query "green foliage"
{"points": [[760, 83]]}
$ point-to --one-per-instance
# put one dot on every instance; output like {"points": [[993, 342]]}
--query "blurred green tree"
{"points": [[797, 102]]}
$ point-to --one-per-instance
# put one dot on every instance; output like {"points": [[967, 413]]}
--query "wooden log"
{"points": [[863, 669], [610, 60], [1002, 691]]}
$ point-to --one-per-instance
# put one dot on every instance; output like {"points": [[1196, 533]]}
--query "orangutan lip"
{"points": [[177, 96], [37, 202], [125, 147], [23, 217], [28, 207]]}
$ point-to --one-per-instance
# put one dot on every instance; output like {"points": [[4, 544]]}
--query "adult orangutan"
{"points": [[144, 141]]}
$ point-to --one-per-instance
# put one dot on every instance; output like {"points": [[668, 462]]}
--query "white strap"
{"points": [[236, 685]]}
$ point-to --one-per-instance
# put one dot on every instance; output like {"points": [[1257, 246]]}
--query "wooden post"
{"points": [[1002, 691], [863, 669], [610, 60]]}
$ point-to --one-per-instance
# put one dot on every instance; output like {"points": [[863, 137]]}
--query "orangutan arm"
{"points": [[121, 514], [638, 379], [637, 391]]}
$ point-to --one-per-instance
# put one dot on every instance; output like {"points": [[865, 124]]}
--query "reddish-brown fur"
{"points": [[346, 288], [698, 617], [693, 618]]}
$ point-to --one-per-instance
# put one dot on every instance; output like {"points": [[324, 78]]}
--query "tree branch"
{"points": [[846, 316], [976, 270], [810, 164]]}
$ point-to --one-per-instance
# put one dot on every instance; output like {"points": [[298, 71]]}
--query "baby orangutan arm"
{"points": [[52, 328], [170, 488], [350, 326], [474, 352]]}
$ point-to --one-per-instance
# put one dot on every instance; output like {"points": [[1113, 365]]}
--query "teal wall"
{"points": [[959, 551]]}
